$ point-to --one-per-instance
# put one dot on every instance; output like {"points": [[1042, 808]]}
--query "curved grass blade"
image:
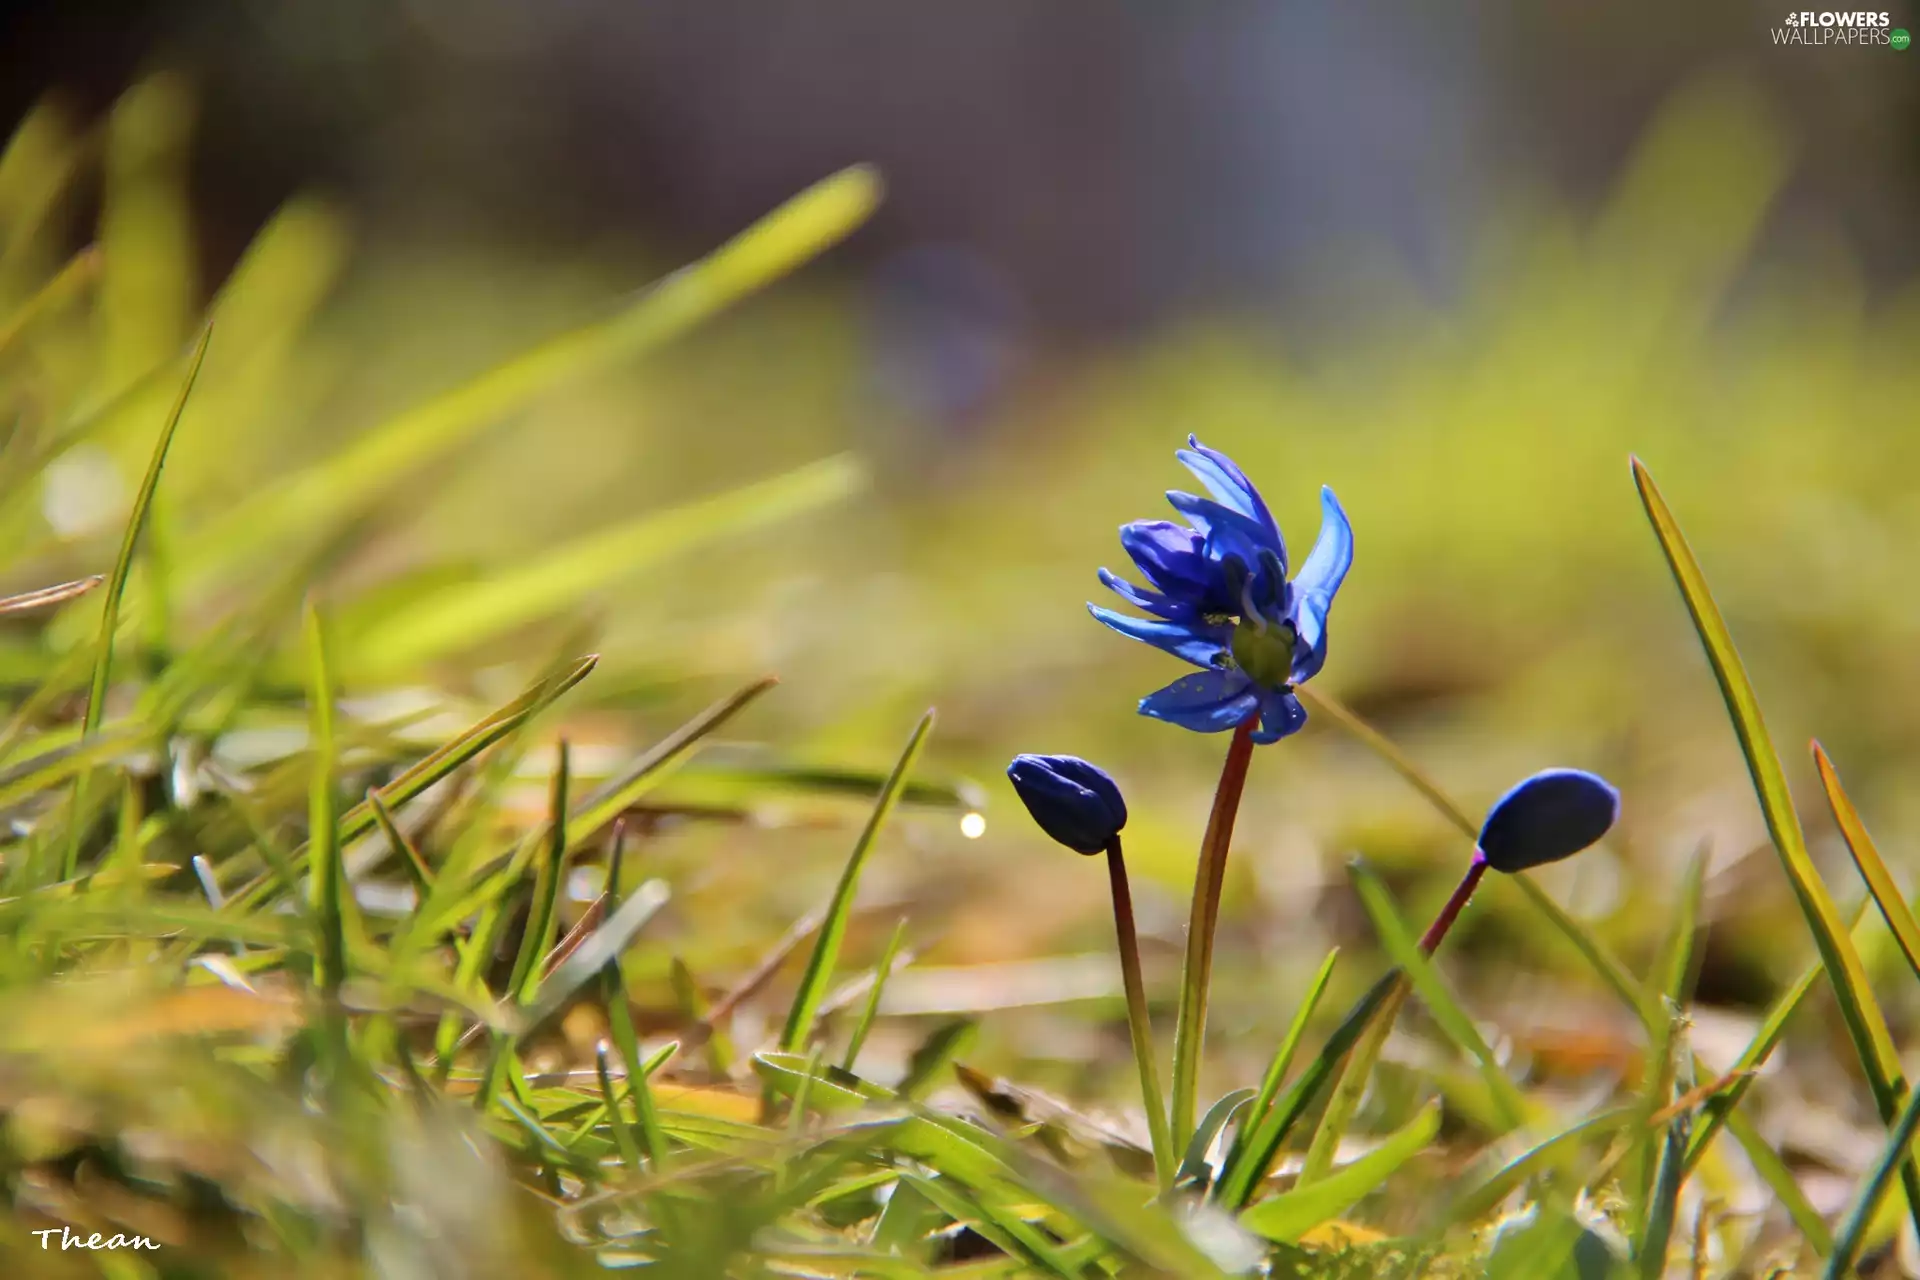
{"points": [[833, 928], [1277, 1069], [1598, 958], [1402, 948], [117, 588], [1873, 869], [1866, 1025], [1486, 1196], [1853, 1230], [466, 614], [1291, 1214], [1193, 1165], [327, 495]]}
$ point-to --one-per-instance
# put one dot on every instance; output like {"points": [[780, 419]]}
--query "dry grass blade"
{"points": [[45, 596]]}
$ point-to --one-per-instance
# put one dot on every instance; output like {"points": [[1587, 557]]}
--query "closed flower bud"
{"points": [[1552, 815], [1074, 802]]}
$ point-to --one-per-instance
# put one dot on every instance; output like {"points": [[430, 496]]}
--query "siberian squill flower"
{"points": [[1220, 599]]}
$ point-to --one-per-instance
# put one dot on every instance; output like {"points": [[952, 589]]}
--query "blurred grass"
{"points": [[391, 426]]}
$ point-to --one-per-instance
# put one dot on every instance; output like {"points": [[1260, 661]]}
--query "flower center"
{"points": [[1264, 650]]}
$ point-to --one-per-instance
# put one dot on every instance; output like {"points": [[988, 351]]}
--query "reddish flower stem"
{"points": [[1197, 975], [1455, 904]]}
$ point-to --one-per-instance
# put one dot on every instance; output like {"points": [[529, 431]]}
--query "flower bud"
{"points": [[1552, 815], [1074, 802]]}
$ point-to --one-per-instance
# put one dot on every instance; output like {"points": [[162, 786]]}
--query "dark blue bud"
{"points": [[1552, 815], [1074, 802]]}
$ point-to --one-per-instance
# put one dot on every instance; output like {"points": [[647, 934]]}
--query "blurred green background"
{"points": [[1456, 267]]}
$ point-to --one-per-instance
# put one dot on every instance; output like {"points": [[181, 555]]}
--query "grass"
{"points": [[274, 1031]]}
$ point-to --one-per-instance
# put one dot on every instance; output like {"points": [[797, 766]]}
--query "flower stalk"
{"points": [[1138, 1023], [1196, 977]]}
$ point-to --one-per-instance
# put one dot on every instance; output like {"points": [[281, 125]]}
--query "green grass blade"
{"points": [[1853, 1230], [1609, 969], [405, 851], [1263, 1146], [1674, 972], [436, 765], [826, 948], [117, 589], [327, 876], [1291, 1214], [1866, 1025], [623, 1140], [1351, 1086], [467, 614], [1664, 1201], [1873, 869], [1404, 950], [61, 290], [1277, 1069], [1765, 1038], [549, 877], [328, 495], [615, 796], [935, 1052], [1779, 1178], [871, 1010]]}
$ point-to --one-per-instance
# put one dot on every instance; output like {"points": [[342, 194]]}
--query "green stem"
{"points": [[1137, 1022], [1197, 975]]}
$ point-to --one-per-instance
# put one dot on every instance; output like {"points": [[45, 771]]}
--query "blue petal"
{"points": [[1172, 556], [1281, 715], [1210, 702], [1308, 658], [1226, 481], [1227, 531], [1320, 577], [1197, 643], [1158, 605], [1550, 816]]}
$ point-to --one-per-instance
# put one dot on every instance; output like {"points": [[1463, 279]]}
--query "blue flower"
{"points": [[1074, 802], [1220, 599], [1550, 816]]}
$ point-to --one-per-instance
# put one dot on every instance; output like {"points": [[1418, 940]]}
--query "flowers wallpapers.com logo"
{"points": [[1832, 27]]}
